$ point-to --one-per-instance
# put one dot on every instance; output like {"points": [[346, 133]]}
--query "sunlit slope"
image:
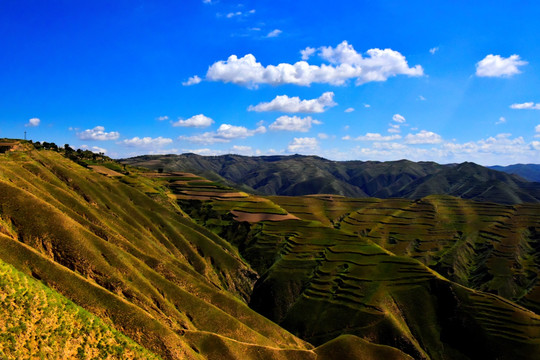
{"points": [[322, 277], [36, 322], [132, 259]]}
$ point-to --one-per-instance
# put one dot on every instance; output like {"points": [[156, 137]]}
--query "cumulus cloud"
{"points": [[398, 118], [345, 64], [224, 133], [95, 149], [274, 33], [293, 123], [423, 137], [527, 105], [537, 131], [307, 52], [497, 66], [349, 110], [303, 144], [33, 122], [199, 121], [192, 81], [146, 142], [376, 137], [283, 103], [98, 133]]}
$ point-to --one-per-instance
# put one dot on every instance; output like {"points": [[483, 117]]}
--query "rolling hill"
{"points": [[177, 266], [303, 175]]}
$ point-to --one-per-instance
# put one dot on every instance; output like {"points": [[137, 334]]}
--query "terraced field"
{"points": [[334, 277], [367, 267]]}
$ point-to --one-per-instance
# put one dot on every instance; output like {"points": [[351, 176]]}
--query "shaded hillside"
{"points": [[303, 175], [325, 275], [529, 172]]}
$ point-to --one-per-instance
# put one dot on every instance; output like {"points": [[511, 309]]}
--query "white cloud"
{"points": [[398, 118], [146, 142], [537, 131], [322, 136], [33, 122], [434, 50], [346, 137], [302, 145], [293, 123], [307, 52], [274, 33], [207, 1], [224, 133], [420, 97], [377, 137], [502, 120], [192, 81], [535, 145], [497, 66], [349, 110], [162, 118], [367, 105], [242, 150], [345, 64], [199, 121], [98, 133], [95, 149], [423, 137], [527, 105], [287, 104], [394, 128]]}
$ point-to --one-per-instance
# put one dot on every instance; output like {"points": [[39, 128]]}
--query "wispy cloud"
{"points": [[527, 105], [274, 33], [147, 142], [224, 133]]}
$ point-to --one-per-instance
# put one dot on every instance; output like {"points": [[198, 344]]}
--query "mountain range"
{"points": [[304, 175], [100, 259]]}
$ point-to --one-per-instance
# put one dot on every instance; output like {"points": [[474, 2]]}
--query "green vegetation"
{"points": [[36, 322], [172, 260]]}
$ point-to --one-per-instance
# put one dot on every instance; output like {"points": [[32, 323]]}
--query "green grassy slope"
{"points": [[36, 322], [133, 261], [325, 275], [302, 175]]}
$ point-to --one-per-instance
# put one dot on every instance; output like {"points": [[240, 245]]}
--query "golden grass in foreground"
{"points": [[36, 322]]}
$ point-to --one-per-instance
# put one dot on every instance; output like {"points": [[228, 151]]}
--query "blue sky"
{"points": [[445, 81]]}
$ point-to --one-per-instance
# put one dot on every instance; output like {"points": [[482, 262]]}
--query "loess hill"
{"points": [[116, 244], [173, 265], [304, 175]]}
